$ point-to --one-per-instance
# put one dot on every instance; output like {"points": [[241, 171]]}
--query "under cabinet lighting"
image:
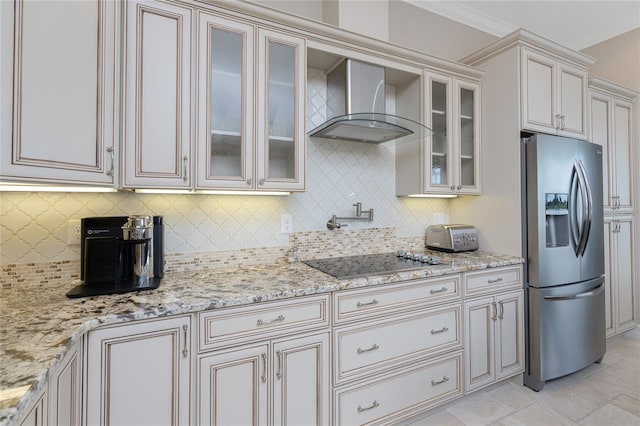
{"points": [[431, 196], [49, 188], [207, 192]]}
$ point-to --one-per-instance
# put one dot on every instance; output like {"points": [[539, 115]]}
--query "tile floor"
{"points": [[602, 394]]}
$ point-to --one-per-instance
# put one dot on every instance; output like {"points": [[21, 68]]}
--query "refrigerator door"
{"points": [[563, 210]]}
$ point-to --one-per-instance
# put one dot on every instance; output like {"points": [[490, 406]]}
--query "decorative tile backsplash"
{"points": [[206, 230]]}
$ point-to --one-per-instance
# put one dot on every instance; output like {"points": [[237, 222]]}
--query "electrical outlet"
{"points": [[73, 231], [286, 224], [438, 218]]}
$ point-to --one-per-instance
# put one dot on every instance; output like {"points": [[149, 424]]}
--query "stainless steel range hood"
{"points": [[356, 107]]}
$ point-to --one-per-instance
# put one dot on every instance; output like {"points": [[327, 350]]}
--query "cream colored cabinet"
{"points": [[451, 163], [157, 96], [620, 263], [59, 86], [240, 385], [611, 127], [493, 339], [65, 390], [554, 95], [139, 373], [251, 85]]}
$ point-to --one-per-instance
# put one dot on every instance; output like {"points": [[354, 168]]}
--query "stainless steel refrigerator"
{"points": [[563, 246]]}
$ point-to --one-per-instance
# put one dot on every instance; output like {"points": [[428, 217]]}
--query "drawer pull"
{"points": [[264, 367], [371, 407], [185, 351], [373, 302], [439, 382], [280, 318], [442, 330], [442, 290], [497, 280], [372, 348]]}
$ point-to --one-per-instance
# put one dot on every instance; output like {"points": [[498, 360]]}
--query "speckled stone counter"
{"points": [[38, 324]]}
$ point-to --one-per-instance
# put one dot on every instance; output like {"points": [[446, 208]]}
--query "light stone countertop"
{"points": [[38, 324]]}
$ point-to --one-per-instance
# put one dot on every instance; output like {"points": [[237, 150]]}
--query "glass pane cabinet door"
{"points": [[468, 137], [225, 93], [439, 165], [281, 145]]}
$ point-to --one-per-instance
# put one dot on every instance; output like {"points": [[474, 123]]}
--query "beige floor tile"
{"points": [[480, 410], [535, 415], [624, 375], [441, 418], [610, 415], [513, 395], [628, 403]]}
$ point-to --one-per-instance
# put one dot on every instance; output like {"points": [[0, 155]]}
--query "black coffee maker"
{"points": [[120, 254]]}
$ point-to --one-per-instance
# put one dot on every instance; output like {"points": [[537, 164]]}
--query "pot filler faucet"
{"points": [[334, 224]]}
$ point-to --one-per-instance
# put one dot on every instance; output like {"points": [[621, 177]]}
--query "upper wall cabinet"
{"points": [[554, 95], [59, 67], [251, 132], [157, 104]]}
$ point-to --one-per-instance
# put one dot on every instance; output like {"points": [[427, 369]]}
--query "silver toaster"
{"points": [[452, 238]]}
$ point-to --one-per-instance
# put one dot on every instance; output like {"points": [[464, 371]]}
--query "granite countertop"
{"points": [[38, 324]]}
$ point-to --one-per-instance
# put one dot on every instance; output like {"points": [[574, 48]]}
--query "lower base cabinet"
{"points": [[37, 413], [287, 377], [65, 390], [139, 373]]}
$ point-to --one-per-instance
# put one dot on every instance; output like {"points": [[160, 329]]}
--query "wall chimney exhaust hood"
{"points": [[356, 107]]}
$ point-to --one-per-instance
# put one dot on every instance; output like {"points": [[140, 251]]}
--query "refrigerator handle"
{"points": [[587, 210], [590, 293], [573, 210]]}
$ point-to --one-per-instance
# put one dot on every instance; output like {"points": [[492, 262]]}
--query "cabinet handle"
{"points": [[442, 290], [110, 151], [371, 407], [558, 121], [261, 182], [280, 318], [372, 348], [562, 122], [497, 280], [361, 304], [249, 182], [459, 187], [501, 316], [495, 311], [442, 330], [264, 367], [279, 373], [439, 382], [452, 187], [185, 161], [185, 352]]}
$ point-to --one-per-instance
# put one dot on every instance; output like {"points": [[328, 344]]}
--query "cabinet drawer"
{"points": [[228, 326], [378, 345], [401, 393], [492, 279], [365, 303]]}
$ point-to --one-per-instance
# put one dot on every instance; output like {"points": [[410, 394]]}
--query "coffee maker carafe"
{"points": [[120, 254]]}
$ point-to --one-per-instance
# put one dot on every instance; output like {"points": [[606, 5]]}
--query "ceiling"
{"points": [[575, 24]]}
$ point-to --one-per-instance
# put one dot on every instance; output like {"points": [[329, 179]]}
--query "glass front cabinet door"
{"points": [[250, 107], [451, 157]]}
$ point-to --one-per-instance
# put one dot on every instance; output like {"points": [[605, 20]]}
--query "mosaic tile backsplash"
{"points": [[208, 230]]}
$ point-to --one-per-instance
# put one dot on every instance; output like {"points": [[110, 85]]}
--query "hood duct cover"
{"points": [[356, 105]]}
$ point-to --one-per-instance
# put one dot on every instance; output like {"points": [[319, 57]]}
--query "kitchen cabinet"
{"points": [[157, 96], [266, 364], [239, 385], [59, 115], [449, 163], [37, 413], [494, 326], [65, 390], [251, 82], [620, 264], [554, 95], [139, 373], [612, 127]]}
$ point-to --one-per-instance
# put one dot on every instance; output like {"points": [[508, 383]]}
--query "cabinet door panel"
{"points": [[621, 140], [624, 285], [157, 95], [572, 102], [468, 136], [439, 163], [479, 342], [600, 134], [609, 267], [60, 124], [225, 103], [65, 391], [139, 374], [301, 381], [233, 387], [509, 338], [538, 92]]}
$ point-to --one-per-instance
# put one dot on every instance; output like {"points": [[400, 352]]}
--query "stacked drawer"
{"points": [[397, 350]]}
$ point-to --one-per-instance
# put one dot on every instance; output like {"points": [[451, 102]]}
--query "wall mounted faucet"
{"points": [[334, 224]]}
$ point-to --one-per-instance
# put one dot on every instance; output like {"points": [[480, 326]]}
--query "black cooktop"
{"points": [[364, 265]]}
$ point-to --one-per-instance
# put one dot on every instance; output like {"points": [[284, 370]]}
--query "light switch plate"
{"points": [[286, 224]]}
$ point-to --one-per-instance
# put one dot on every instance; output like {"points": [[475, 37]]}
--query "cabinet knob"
{"points": [[453, 187], [459, 187], [261, 182], [249, 182]]}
